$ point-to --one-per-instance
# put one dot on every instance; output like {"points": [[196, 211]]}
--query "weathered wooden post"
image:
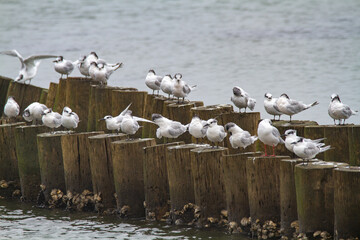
{"points": [[235, 181], [247, 121], [354, 145], [51, 162], [315, 132], [24, 94], [147, 114], [156, 181], [182, 113], [264, 187], [288, 206], [77, 98], [4, 85], [8, 160], [76, 160], [129, 176], [50, 99], [340, 151], [28, 160], [101, 165], [43, 96], [315, 196], [60, 97], [207, 112], [181, 184], [209, 186], [346, 202]]}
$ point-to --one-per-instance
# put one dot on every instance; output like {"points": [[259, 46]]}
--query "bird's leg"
{"points": [[245, 110], [343, 122], [274, 117], [279, 117], [178, 100], [273, 155], [153, 92], [183, 100], [61, 76], [334, 122], [265, 151], [290, 118], [169, 96]]}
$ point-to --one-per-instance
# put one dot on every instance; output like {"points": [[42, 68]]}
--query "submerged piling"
{"points": [[51, 162], [76, 160], [235, 182], [315, 196], [346, 202], [209, 189], [129, 175], [264, 187], [156, 181], [101, 166], [8, 159], [28, 160], [179, 172]]}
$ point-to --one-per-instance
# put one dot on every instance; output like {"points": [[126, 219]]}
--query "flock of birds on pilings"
{"points": [[100, 71]]}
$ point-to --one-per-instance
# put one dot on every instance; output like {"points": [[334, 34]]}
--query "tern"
{"points": [[167, 127], [270, 105], [269, 135], [238, 136], [181, 88], [69, 119], [338, 110], [241, 99]]}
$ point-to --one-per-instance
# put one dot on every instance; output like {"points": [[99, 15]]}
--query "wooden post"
{"points": [[354, 145], [24, 94], [77, 98], [4, 85], [288, 207], [235, 181], [122, 98], [247, 121], [51, 162], [181, 184], [182, 113], [315, 196], [209, 186], [346, 202], [147, 114], [60, 98], [207, 112], [156, 181], [50, 99], [102, 166], [264, 187], [128, 175], [8, 160], [77, 161], [340, 151], [43, 96], [315, 132], [28, 160]]}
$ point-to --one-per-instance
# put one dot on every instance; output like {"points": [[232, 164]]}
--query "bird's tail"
{"points": [[323, 149], [318, 140], [253, 139], [193, 87], [354, 112], [118, 65], [251, 103], [313, 104]]}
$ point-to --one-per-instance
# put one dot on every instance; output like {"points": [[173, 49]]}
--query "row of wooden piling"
{"points": [[181, 182]]}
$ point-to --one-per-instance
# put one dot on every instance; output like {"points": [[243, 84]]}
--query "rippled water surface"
{"points": [[22, 221], [308, 49]]}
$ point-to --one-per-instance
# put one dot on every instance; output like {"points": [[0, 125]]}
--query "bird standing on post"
{"points": [[181, 88], [238, 136], [241, 99], [69, 119], [51, 119], [167, 85], [29, 65], [308, 150], [215, 133], [153, 81], [269, 135], [270, 105], [11, 108], [63, 66], [290, 107], [34, 113], [338, 110], [114, 123], [168, 128], [130, 125], [197, 127]]}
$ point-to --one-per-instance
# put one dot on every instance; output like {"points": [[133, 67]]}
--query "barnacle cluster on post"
{"points": [[9, 189], [267, 230]]}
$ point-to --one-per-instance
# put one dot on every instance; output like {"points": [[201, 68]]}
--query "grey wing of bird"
{"points": [[139, 119], [176, 129], [347, 111], [222, 132], [57, 119], [159, 79], [311, 149], [32, 59], [14, 53], [296, 106], [76, 117], [276, 133], [186, 89]]}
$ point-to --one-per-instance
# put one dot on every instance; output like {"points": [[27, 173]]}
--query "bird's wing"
{"points": [[76, 116], [139, 119], [186, 89], [34, 58], [176, 129], [125, 110], [276, 133], [14, 53], [222, 132], [310, 149]]}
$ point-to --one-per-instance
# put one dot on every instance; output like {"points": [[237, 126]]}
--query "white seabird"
{"points": [[153, 81], [63, 66], [11, 108], [51, 119], [181, 88], [241, 99], [34, 112], [168, 128], [167, 85], [338, 110], [29, 65], [238, 136], [215, 133], [270, 105], [307, 150], [269, 135], [69, 119]]}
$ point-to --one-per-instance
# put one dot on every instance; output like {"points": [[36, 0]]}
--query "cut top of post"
{"points": [[107, 136], [207, 150], [187, 146], [354, 169], [321, 165]]}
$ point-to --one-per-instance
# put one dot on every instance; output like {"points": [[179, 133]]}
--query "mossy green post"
{"points": [[28, 160]]}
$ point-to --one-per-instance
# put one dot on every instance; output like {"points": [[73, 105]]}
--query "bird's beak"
{"points": [[283, 135], [54, 61], [294, 143], [206, 125], [101, 119]]}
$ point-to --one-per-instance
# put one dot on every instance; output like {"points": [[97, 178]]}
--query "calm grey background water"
{"points": [[308, 49]]}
